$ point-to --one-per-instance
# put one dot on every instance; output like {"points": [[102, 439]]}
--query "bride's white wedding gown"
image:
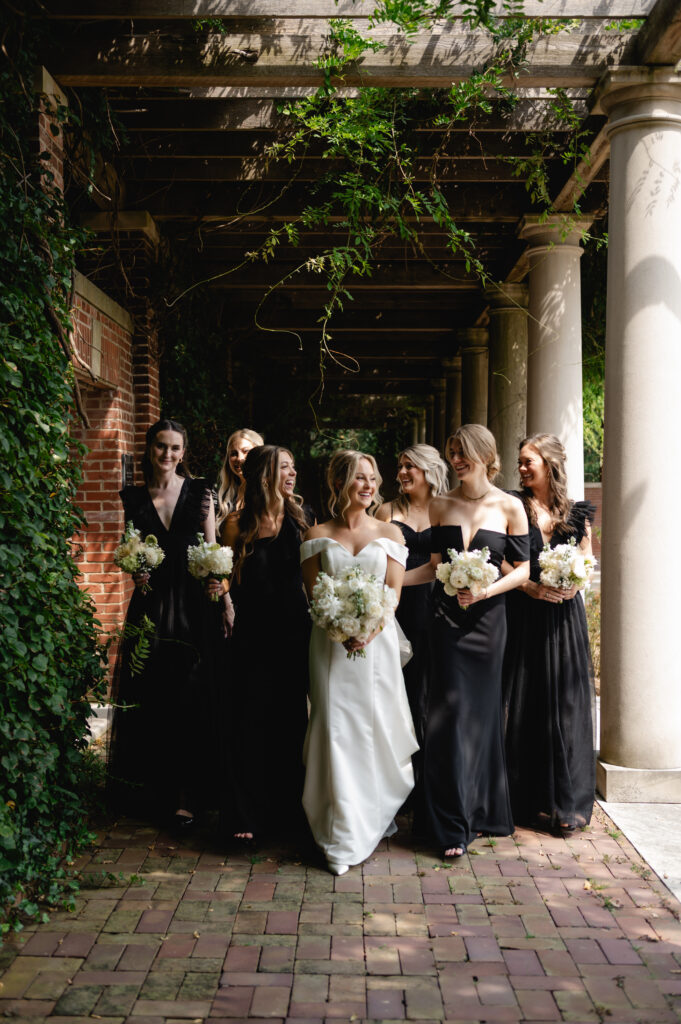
{"points": [[360, 736]]}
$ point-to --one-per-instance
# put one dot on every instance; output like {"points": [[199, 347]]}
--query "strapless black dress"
{"points": [[465, 790]]}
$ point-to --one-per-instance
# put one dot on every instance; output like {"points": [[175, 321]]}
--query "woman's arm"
{"points": [[311, 569], [394, 576], [517, 526]]}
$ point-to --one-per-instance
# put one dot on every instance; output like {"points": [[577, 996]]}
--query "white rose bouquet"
{"points": [[565, 566], [467, 570], [351, 605], [204, 560], [136, 555]]}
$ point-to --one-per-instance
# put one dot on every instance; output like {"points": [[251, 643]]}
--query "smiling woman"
{"points": [[360, 737], [158, 750]]}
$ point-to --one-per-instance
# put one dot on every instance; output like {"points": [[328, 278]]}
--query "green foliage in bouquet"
{"points": [[50, 663]]}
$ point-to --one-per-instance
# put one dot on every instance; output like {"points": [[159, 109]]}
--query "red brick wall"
{"points": [[119, 411]]}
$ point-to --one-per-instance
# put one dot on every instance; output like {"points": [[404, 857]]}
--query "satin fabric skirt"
{"points": [[358, 747]]}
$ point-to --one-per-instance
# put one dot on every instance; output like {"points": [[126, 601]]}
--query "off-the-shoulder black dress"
{"points": [[464, 772], [160, 743], [549, 699]]}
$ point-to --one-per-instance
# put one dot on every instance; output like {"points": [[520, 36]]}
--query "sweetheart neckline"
{"points": [[356, 554]]}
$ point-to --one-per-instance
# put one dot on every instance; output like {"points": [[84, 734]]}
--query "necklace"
{"points": [[479, 497]]}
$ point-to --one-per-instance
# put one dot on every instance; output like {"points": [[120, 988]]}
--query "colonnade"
{"points": [[522, 373]]}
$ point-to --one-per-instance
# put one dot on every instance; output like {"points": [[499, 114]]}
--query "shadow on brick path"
{"points": [[529, 928]]}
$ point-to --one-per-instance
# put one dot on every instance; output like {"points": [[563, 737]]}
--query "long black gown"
{"points": [[549, 699], [464, 772], [267, 690], [160, 742], [414, 616]]}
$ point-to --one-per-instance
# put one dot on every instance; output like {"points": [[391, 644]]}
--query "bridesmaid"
{"points": [[422, 475], [548, 676], [465, 791], [267, 705], [230, 487], [158, 747]]}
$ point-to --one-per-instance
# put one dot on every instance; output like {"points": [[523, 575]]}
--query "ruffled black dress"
{"points": [[267, 689], [549, 699], [161, 745], [464, 772]]}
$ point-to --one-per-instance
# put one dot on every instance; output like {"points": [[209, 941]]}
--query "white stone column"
{"points": [[641, 596], [414, 430], [422, 425], [439, 414], [452, 368], [554, 347], [474, 363], [507, 403]]}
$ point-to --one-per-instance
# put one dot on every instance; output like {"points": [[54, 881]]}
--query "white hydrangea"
{"points": [[212, 560], [470, 570], [352, 604], [565, 566], [136, 555]]}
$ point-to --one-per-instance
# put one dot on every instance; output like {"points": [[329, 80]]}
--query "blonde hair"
{"points": [[551, 449], [435, 470], [229, 483], [342, 471], [478, 445]]}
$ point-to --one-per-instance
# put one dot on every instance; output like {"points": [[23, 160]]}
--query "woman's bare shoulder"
{"points": [[384, 512], [318, 530], [390, 530]]}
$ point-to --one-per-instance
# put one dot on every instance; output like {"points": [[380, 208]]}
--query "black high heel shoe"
{"points": [[183, 823]]}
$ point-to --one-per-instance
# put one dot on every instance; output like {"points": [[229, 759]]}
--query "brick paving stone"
{"points": [[282, 922], [43, 943], [271, 1001], [172, 1008], [176, 946], [522, 962], [539, 1006], [386, 1004], [162, 985], [77, 1002], [137, 958], [277, 958], [483, 949]]}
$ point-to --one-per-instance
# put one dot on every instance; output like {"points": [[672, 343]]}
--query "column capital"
{"points": [[507, 296], [564, 233], [473, 339], [633, 97]]}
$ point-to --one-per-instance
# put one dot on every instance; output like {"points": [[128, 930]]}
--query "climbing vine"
{"points": [[50, 664]]}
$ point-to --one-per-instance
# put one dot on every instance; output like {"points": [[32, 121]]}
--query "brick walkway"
{"points": [[532, 928]]}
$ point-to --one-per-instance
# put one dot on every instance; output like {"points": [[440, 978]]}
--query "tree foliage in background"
{"points": [[49, 658]]}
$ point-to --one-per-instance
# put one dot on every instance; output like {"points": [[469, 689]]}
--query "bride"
{"points": [[360, 736]]}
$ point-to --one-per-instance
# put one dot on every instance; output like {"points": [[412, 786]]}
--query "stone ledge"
{"points": [[617, 784]]}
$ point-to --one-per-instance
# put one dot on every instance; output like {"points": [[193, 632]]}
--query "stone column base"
{"points": [[638, 785]]}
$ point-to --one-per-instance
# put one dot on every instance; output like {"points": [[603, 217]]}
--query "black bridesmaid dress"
{"points": [[161, 745], [414, 616], [549, 699], [464, 772], [267, 689]]}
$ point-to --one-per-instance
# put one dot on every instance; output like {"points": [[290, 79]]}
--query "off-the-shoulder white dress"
{"points": [[360, 736]]}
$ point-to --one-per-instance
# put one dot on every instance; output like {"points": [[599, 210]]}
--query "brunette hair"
{"points": [[552, 451], [182, 468], [478, 445], [229, 483], [262, 494], [341, 472], [435, 470]]}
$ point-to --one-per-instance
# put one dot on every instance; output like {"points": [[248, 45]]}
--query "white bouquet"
{"points": [[353, 604], [136, 555], [564, 566], [212, 560], [467, 570]]}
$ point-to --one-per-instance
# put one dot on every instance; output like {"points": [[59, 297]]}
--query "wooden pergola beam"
{"points": [[190, 10], [659, 40], [261, 115], [272, 52]]}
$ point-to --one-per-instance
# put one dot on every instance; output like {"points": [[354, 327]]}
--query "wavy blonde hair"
{"points": [[339, 477], [229, 483], [551, 449], [478, 445], [263, 495], [435, 470]]}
